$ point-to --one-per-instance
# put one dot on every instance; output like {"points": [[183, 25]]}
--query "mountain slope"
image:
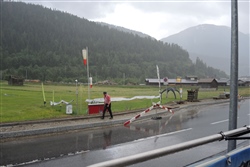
{"points": [[46, 44], [212, 44]]}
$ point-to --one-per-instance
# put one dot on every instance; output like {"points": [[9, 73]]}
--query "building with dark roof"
{"points": [[14, 80], [244, 82], [208, 83], [203, 83]]}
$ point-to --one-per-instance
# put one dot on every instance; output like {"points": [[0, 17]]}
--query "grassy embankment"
{"points": [[23, 103]]}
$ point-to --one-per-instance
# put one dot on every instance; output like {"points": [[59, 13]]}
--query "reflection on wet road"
{"points": [[107, 139]]}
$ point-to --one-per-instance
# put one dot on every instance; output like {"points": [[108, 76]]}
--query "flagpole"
{"points": [[88, 71]]}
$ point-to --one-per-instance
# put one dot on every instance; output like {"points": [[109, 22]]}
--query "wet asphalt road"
{"points": [[83, 148]]}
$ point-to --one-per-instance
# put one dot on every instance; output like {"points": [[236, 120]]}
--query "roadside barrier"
{"points": [[145, 111]]}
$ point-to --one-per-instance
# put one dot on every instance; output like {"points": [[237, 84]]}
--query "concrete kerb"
{"points": [[101, 123], [34, 132]]}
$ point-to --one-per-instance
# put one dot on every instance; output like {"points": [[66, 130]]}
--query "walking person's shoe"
{"points": [[102, 118], [111, 118]]}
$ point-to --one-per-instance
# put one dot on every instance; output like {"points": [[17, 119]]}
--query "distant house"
{"points": [[244, 82], [241, 82], [223, 82], [208, 83], [188, 81], [14, 80], [192, 78], [153, 81], [182, 82], [177, 81], [193, 81]]}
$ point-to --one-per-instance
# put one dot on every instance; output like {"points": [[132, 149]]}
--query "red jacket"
{"points": [[107, 99]]}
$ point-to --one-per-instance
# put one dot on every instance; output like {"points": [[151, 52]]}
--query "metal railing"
{"points": [[133, 159]]}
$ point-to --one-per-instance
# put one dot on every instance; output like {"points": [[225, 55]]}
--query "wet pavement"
{"points": [[90, 136]]}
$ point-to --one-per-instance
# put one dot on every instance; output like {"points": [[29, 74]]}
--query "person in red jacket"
{"points": [[107, 105]]}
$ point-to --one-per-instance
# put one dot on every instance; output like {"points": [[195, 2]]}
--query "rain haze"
{"points": [[159, 19]]}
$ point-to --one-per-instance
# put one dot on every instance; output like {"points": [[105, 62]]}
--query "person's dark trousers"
{"points": [[106, 107]]}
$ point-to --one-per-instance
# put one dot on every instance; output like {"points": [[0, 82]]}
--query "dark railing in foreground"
{"points": [[133, 159]]}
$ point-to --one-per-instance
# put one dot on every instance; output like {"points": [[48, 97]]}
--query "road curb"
{"points": [[14, 134]]}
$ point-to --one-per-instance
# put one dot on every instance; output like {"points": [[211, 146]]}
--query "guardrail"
{"points": [[133, 159], [238, 157]]}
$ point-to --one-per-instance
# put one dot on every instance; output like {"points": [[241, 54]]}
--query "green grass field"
{"points": [[24, 103]]}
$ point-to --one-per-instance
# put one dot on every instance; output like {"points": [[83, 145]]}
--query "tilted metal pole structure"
{"points": [[233, 110]]}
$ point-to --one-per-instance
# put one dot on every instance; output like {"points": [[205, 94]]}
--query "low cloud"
{"points": [[158, 19]]}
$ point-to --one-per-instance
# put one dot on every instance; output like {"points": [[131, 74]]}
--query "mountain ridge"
{"points": [[210, 43]]}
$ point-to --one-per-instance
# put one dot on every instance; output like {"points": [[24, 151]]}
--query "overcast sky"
{"points": [[159, 18]]}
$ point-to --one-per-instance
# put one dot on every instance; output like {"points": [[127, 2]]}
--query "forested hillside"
{"points": [[41, 43]]}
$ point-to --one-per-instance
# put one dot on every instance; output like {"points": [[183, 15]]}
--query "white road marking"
{"points": [[166, 134], [219, 122], [183, 130]]}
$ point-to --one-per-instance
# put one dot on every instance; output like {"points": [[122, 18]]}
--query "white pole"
{"points": [[159, 80], [88, 71], [76, 97]]}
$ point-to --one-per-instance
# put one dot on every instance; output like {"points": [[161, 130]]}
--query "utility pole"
{"points": [[233, 110]]}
